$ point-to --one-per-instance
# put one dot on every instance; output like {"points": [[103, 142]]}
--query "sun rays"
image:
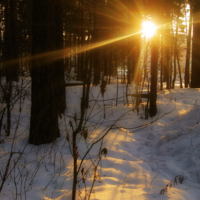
{"points": [[148, 29]]}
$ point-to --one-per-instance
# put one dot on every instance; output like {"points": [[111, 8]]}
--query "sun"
{"points": [[148, 29]]}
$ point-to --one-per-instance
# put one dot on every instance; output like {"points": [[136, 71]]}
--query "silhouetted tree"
{"points": [[195, 80], [46, 72]]}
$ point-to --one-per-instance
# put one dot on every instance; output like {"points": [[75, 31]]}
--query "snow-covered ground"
{"points": [[143, 155]]}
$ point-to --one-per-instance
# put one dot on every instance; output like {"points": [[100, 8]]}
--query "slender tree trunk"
{"points": [[161, 65], [79, 42], [176, 47], [13, 69], [167, 70], [10, 53], [8, 102], [97, 70], [129, 67], [145, 60], [110, 63], [75, 155], [174, 80], [179, 68], [82, 56], [187, 65], [105, 66], [88, 86], [171, 63], [154, 65]]}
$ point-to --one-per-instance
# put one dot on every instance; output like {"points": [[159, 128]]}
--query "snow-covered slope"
{"points": [[143, 155]]}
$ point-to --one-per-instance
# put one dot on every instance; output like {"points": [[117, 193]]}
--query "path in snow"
{"points": [[142, 163]]}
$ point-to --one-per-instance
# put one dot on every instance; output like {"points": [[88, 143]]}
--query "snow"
{"points": [[143, 155]]}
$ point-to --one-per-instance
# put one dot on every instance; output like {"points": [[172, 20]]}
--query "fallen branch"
{"points": [[174, 182]]}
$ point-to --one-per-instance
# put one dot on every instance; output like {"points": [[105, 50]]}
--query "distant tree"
{"points": [[187, 64], [11, 41], [166, 37], [10, 53], [24, 33]]}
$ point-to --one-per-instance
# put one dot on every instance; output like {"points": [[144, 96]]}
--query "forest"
{"points": [[99, 99]]}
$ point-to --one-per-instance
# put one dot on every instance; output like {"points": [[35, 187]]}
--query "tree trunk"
{"points": [[171, 63], [11, 47], [45, 74], [161, 65], [154, 64], [179, 68], [187, 65], [195, 80], [176, 48], [10, 53], [167, 71], [97, 71], [129, 69], [59, 64], [174, 78]]}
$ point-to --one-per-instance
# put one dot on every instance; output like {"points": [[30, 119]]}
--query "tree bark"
{"points": [[187, 65], [10, 54], [154, 64], [45, 74], [174, 78], [195, 80], [167, 71], [161, 65], [59, 64]]}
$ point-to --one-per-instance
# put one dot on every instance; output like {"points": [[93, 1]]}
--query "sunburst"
{"points": [[148, 29]]}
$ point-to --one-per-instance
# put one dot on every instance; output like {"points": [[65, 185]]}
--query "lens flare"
{"points": [[148, 29]]}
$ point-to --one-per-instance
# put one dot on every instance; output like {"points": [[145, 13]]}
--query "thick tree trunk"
{"points": [[59, 64], [195, 80], [45, 74]]}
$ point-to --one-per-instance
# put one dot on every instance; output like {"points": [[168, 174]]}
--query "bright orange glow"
{"points": [[59, 54], [148, 29]]}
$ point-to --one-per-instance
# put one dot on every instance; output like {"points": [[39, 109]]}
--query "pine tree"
{"points": [[47, 102], [195, 80]]}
